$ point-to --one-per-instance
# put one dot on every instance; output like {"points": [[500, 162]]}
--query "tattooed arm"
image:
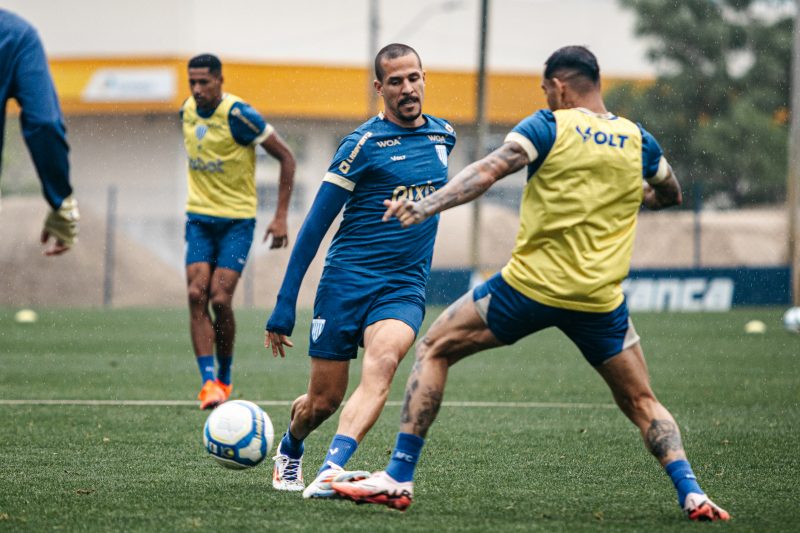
{"points": [[465, 186]]}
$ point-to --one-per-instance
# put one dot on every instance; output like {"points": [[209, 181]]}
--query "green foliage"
{"points": [[719, 106], [568, 461]]}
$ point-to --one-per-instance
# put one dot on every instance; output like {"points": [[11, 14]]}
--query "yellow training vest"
{"points": [[578, 215], [222, 174]]}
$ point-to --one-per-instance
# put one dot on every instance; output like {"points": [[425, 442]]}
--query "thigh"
{"points": [[198, 277], [200, 241], [458, 332], [340, 309], [626, 373], [600, 336], [388, 338], [234, 240]]}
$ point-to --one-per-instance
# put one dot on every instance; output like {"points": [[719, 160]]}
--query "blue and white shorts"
{"points": [[510, 316], [222, 242], [348, 302]]}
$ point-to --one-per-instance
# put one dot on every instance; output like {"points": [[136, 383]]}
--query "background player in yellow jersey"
{"points": [[573, 249], [220, 133]]}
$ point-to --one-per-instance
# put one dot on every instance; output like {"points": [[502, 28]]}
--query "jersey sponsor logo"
{"points": [[449, 128], [669, 294], [413, 192], [437, 138], [441, 151], [344, 166], [206, 166], [388, 143], [614, 140], [317, 325], [200, 131], [398, 158]]}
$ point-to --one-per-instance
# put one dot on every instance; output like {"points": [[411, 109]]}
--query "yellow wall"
{"points": [[310, 91]]}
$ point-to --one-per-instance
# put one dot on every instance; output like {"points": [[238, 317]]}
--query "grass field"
{"points": [[556, 456]]}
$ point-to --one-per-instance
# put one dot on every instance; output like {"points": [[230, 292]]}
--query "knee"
{"points": [[197, 295], [220, 302], [639, 402], [322, 407], [378, 373], [429, 349]]}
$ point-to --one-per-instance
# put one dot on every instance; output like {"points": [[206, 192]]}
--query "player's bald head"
{"points": [[389, 52], [574, 65]]}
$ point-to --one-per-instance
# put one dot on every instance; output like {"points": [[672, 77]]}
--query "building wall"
{"points": [[322, 32]]}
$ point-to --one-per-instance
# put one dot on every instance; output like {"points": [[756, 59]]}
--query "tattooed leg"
{"points": [[457, 333], [626, 375]]}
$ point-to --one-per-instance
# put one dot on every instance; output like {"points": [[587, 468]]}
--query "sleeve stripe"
{"points": [[336, 179], [269, 130], [525, 143], [661, 174]]}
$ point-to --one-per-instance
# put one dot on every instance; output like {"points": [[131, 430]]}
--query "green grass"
{"points": [[136, 468]]}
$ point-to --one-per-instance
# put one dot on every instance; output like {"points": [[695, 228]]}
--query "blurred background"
{"points": [[710, 79]]}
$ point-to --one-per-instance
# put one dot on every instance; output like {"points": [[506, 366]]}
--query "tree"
{"points": [[720, 103]]}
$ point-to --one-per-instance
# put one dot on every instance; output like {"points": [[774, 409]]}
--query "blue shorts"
{"points": [[348, 302], [222, 242], [511, 316]]}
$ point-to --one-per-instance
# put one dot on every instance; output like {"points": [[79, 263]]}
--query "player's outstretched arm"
{"points": [[465, 186], [663, 193], [278, 228], [329, 201]]}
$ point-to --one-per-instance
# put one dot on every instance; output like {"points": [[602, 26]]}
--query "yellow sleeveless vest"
{"points": [[578, 215]]}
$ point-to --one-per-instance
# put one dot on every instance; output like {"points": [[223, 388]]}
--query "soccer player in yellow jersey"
{"points": [[220, 133], [585, 185]]}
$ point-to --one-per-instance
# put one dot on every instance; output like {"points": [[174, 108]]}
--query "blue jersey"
{"points": [[24, 75], [379, 161]]}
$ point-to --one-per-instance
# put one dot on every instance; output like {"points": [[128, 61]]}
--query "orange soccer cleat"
{"points": [[211, 395], [227, 389]]}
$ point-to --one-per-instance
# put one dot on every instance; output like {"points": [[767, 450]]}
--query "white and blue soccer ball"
{"points": [[238, 434], [791, 320]]}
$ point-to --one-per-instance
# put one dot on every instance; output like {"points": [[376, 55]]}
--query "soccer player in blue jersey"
{"points": [[220, 133], [372, 291], [25, 76], [577, 223]]}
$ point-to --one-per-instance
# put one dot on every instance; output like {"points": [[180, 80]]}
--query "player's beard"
{"points": [[414, 115]]}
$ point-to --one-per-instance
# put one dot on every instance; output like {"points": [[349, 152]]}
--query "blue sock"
{"points": [[404, 457], [339, 452], [291, 446], [680, 472], [224, 372], [206, 365]]}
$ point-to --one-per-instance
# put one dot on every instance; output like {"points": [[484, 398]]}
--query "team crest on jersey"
{"points": [[317, 325], [200, 131], [441, 151]]}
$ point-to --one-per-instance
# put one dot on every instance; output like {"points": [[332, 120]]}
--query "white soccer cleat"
{"points": [[288, 473], [321, 486], [379, 488], [699, 507]]}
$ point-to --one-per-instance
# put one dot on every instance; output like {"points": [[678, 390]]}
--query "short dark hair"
{"points": [[573, 61], [392, 51], [209, 61]]}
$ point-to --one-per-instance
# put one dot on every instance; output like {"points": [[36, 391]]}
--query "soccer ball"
{"points": [[238, 434], [791, 320]]}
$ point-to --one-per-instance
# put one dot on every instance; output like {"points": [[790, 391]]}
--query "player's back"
{"points": [[578, 214], [380, 161]]}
